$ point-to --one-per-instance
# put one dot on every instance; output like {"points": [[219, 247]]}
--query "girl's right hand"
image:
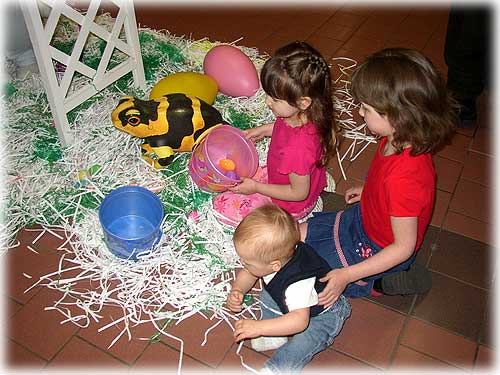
{"points": [[353, 195]]}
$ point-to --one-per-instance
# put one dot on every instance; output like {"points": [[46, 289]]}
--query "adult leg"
{"points": [[319, 335], [467, 56]]}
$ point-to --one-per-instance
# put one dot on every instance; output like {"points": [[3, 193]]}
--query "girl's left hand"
{"points": [[247, 186], [246, 329]]}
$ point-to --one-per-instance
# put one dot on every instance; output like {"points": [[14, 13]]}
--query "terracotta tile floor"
{"points": [[450, 328]]}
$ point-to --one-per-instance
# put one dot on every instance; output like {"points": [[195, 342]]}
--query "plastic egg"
{"points": [[190, 83], [232, 175], [227, 164], [234, 72]]}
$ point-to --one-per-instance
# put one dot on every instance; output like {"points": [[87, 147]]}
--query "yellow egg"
{"points": [[227, 164], [190, 83]]}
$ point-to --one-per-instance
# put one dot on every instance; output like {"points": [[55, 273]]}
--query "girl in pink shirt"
{"points": [[298, 86]]}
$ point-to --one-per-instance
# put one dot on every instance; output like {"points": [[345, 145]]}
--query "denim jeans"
{"points": [[299, 350]]}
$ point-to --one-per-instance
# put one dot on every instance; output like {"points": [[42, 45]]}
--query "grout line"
{"points": [[184, 354], [352, 356], [105, 351], [438, 359], [461, 281], [28, 350]]}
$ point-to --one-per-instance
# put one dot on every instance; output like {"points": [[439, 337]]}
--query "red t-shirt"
{"points": [[397, 185]]}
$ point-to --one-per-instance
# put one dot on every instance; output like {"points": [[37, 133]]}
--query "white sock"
{"points": [[263, 343]]}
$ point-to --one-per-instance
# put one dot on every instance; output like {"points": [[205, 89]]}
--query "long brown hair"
{"points": [[297, 70], [405, 86]]}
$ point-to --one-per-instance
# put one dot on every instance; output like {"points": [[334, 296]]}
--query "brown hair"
{"points": [[297, 70], [269, 232], [405, 86]]}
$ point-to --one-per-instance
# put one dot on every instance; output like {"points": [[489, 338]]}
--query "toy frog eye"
{"points": [[133, 117], [134, 120]]}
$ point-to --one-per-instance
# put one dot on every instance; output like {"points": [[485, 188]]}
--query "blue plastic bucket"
{"points": [[131, 217]]}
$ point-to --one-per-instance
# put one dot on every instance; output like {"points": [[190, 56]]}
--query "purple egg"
{"points": [[232, 175]]}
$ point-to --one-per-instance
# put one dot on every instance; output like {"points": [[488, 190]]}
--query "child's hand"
{"points": [[353, 195], [246, 329], [247, 186], [235, 300], [336, 284], [259, 132]]}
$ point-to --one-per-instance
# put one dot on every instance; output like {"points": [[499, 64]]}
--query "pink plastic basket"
{"points": [[223, 142]]}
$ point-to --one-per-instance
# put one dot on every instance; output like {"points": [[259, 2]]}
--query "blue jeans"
{"points": [[300, 348]]}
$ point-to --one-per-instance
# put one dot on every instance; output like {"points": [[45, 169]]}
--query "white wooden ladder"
{"points": [[61, 99]]}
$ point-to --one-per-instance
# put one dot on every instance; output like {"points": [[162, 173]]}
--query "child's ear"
{"points": [[304, 102], [276, 265]]}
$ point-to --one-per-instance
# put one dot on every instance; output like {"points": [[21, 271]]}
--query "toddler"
{"points": [[268, 243]]}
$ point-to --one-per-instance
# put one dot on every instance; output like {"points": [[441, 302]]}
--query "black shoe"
{"points": [[416, 280]]}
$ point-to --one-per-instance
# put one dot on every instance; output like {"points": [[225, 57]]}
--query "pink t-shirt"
{"points": [[295, 150]]}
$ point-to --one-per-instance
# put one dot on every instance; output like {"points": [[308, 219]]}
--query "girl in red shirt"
{"points": [[404, 100]]}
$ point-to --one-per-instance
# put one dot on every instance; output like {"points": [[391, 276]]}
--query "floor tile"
{"points": [[11, 307], [24, 267], [469, 227], [367, 45], [473, 200], [358, 168], [429, 244], [463, 258], [399, 303], [457, 148], [485, 359], [370, 334], [232, 361], [347, 19], [128, 350], [331, 361], [77, 353], [409, 359], [439, 306], [447, 171], [332, 201], [375, 29], [159, 355], [441, 206], [343, 185], [488, 335], [192, 331], [38, 330], [19, 358], [333, 30], [325, 45], [483, 141], [438, 343], [479, 168]]}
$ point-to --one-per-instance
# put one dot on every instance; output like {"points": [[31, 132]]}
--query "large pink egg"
{"points": [[234, 72]]}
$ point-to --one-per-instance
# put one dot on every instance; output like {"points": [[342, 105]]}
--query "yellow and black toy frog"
{"points": [[172, 123]]}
